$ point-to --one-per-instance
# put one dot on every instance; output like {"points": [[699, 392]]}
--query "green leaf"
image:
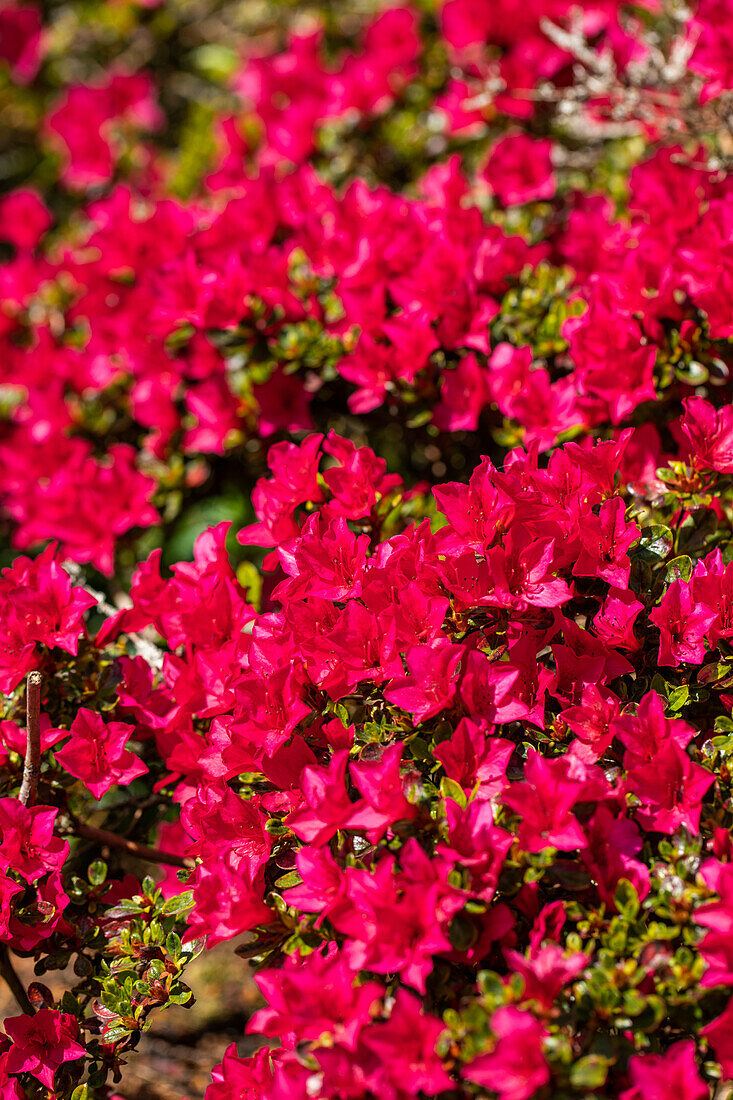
{"points": [[450, 789], [173, 944], [679, 569], [462, 933], [292, 878], [655, 543], [215, 61], [179, 903], [250, 579], [664, 473], [193, 948], [83, 966], [97, 872], [716, 673], [589, 1072], [678, 697], [634, 1002], [692, 373], [616, 940], [180, 998], [343, 715], [420, 749], [659, 684], [115, 1034], [490, 984], [626, 900], [125, 908]]}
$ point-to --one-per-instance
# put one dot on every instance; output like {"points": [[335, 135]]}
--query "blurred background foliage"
{"points": [[192, 48], [193, 51]]}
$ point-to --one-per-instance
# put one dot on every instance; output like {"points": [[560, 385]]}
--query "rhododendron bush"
{"points": [[366, 522]]}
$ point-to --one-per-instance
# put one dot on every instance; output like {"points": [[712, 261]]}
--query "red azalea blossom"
{"points": [[366, 524], [42, 1043], [96, 753], [516, 1068], [672, 1075]]}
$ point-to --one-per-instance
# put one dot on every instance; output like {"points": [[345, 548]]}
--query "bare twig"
{"points": [[13, 982], [112, 840], [32, 765], [574, 42]]}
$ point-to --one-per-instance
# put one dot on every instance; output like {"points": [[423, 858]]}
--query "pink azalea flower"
{"points": [[463, 396], [711, 57], [396, 919], [605, 539], [669, 1076], [430, 683], [519, 169], [325, 560], [313, 997], [81, 123], [671, 789], [544, 801], [323, 886], [612, 844], [710, 434], [223, 826], [283, 404], [383, 788], [24, 217], [38, 605], [226, 904], [683, 625], [21, 39], [647, 730], [234, 1078], [614, 624], [516, 1068], [473, 757], [405, 1048], [42, 1043], [328, 807], [96, 753], [360, 480], [591, 720], [717, 917], [719, 1034], [546, 972], [28, 844], [475, 842]]}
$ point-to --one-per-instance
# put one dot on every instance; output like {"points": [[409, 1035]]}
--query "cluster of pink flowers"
{"points": [[176, 326], [459, 761], [420, 280], [464, 638], [294, 92]]}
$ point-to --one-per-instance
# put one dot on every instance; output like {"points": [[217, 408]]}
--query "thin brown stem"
{"points": [[32, 766], [112, 840], [7, 972]]}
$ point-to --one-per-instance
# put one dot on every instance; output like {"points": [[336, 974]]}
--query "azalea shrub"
{"points": [[366, 516]]}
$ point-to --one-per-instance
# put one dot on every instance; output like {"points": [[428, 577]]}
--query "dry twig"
{"points": [[32, 765]]}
